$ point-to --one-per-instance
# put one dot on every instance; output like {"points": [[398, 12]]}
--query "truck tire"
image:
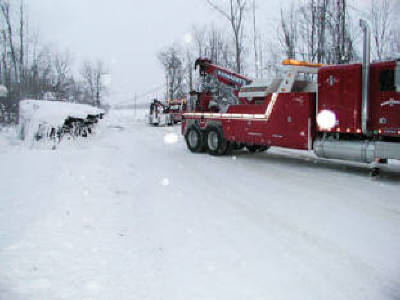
{"points": [[194, 139], [216, 144]]}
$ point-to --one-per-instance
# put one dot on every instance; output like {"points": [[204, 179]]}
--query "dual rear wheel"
{"points": [[215, 142], [212, 140]]}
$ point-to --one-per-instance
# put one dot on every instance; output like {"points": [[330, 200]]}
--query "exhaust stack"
{"points": [[365, 74]]}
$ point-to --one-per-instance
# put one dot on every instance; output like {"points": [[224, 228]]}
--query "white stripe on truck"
{"points": [[263, 117]]}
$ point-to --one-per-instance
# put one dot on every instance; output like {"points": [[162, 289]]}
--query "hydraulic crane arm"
{"points": [[227, 77]]}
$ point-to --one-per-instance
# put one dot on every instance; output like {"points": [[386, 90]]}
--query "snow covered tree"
{"points": [[171, 60]]}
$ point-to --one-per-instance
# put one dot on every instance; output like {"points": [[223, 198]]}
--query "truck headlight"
{"points": [[326, 119]]}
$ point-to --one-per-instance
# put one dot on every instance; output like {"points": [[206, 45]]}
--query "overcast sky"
{"points": [[128, 34]]}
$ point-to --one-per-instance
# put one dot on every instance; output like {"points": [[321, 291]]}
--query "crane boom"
{"points": [[227, 77], [230, 79]]}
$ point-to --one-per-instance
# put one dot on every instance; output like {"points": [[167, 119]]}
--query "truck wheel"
{"points": [[216, 144], [194, 139]]}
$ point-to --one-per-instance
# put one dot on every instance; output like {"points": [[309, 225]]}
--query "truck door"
{"points": [[385, 100]]}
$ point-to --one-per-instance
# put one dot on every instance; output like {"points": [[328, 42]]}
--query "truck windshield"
{"points": [[397, 77]]}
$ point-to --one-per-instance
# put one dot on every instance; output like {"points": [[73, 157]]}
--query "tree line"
{"points": [[31, 70], [319, 31]]}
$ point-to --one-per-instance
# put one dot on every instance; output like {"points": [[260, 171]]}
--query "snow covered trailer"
{"points": [[40, 119], [348, 112]]}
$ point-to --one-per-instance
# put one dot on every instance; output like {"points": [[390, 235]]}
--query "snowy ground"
{"points": [[131, 214]]}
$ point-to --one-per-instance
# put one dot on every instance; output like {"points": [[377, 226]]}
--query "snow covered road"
{"points": [[131, 214]]}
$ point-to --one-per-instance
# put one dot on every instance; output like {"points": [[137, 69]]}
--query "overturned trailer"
{"points": [[39, 119]]}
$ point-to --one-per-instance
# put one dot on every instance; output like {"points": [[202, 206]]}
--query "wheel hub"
{"points": [[213, 140], [193, 138]]}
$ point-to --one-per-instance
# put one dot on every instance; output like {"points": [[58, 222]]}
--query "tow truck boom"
{"points": [[227, 77], [228, 91]]}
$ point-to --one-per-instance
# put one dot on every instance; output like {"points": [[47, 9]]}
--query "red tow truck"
{"points": [[348, 112], [176, 108], [168, 113]]}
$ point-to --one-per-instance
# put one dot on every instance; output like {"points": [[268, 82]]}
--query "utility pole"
{"points": [[167, 86], [255, 39], [135, 103]]}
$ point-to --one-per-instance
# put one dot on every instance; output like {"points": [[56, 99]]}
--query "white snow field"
{"points": [[130, 213]]}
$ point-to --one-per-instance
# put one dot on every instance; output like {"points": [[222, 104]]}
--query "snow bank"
{"points": [[34, 114]]}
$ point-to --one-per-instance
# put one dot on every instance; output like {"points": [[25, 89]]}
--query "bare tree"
{"points": [[339, 30], [395, 43], [319, 31], [6, 76], [171, 60], [289, 32], [209, 41], [199, 36], [93, 78], [216, 45], [100, 71], [311, 27], [62, 69], [22, 42], [234, 13], [380, 16], [255, 40], [5, 9], [31, 70]]}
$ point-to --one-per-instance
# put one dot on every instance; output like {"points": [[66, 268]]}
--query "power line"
{"points": [[135, 97]]}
